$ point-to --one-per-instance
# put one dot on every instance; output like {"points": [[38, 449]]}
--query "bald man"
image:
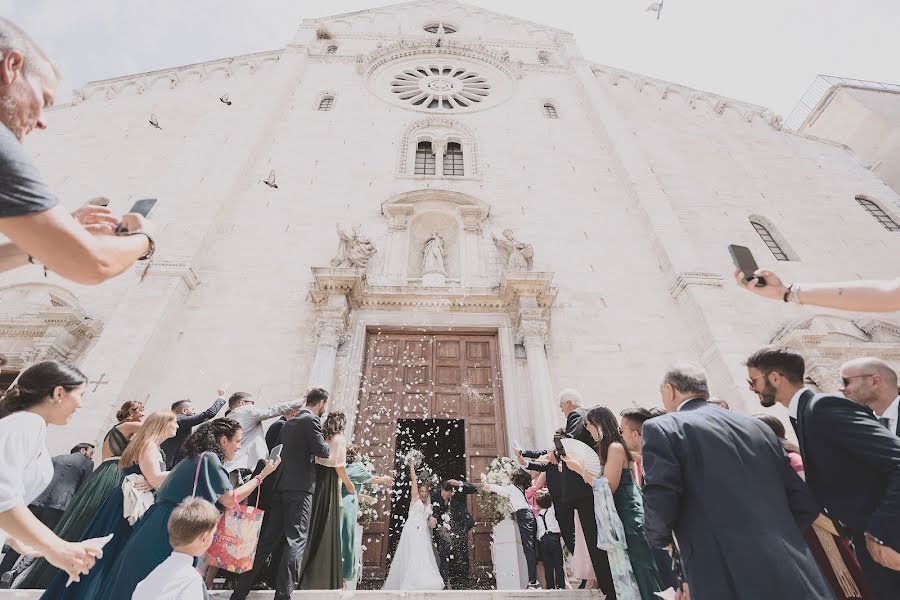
{"points": [[84, 246], [873, 383]]}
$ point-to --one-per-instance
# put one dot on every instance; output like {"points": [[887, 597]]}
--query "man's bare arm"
{"points": [[56, 240]]}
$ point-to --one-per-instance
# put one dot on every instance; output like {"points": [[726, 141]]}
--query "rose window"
{"points": [[440, 87]]}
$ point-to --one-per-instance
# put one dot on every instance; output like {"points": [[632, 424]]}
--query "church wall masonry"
{"points": [[628, 200]]}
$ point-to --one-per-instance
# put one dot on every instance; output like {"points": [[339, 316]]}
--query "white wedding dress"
{"points": [[414, 566]]}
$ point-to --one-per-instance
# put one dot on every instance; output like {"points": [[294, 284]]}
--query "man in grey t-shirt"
{"points": [[83, 247]]}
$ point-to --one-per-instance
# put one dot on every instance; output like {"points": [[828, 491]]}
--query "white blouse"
{"points": [[25, 465], [338, 455]]}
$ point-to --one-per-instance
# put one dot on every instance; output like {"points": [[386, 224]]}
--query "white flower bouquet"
{"points": [[496, 508]]}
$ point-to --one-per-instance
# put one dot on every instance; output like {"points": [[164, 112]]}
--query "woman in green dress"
{"points": [[92, 493], [201, 475], [617, 463], [321, 567], [358, 475]]}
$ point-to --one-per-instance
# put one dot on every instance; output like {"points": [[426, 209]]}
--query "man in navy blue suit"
{"points": [[852, 462]]}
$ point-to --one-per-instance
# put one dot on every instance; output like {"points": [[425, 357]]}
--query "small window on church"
{"points": [[766, 235], [550, 111], [543, 58], [331, 50], [424, 159], [326, 103], [434, 28], [876, 211], [453, 160]]}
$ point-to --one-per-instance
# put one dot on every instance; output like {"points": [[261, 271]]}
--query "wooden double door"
{"points": [[430, 376]]}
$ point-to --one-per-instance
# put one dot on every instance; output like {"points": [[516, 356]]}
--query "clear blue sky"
{"points": [[760, 51]]}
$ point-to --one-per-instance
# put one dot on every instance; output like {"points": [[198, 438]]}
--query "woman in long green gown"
{"points": [[92, 493], [321, 567], [201, 475], [358, 475], [617, 461]]}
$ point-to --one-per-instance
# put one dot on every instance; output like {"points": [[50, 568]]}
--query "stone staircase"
{"points": [[379, 595]]}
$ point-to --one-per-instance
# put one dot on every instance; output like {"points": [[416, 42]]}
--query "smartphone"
{"points": [[743, 260], [276, 452], [560, 450], [141, 207]]}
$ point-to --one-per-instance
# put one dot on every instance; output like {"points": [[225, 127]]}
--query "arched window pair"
{"points": [[452, 162]]}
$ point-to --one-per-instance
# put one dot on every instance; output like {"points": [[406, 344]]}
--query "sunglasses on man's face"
{"points": [[846, 380]]}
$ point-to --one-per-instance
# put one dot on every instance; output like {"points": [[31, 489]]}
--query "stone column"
{"points": [[332, 330], [331, 294], [439, 147], [532, 334]]}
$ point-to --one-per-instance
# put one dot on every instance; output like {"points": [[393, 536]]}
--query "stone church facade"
{"points": [[469, 216]]}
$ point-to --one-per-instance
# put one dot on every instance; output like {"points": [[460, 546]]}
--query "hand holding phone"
{"points": [[275, 454], [560, 450], [130, 223], [743, 260]]}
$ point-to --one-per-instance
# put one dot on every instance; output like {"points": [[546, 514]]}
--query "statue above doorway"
{"points": [[354, 249], [519, 255]]}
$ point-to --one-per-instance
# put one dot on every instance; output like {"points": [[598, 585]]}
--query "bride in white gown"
{"points": [[414, 566]]}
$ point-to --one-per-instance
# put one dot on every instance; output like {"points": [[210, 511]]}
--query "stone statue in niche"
{"points": [[354, 249], [433, 255], [518, 254]]}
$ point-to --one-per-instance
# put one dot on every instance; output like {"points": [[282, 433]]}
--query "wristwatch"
{"points": [[151, 249]]}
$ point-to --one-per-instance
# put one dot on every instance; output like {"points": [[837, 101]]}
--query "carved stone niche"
{"points": [[826, 341], [41, 322], [414, 216]]}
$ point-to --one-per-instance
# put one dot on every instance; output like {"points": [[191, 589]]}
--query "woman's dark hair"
{"points": [[333, 425], [36, 384], [128, 410], [352, 453], [206, 437], [777, 428], [603, 419], [521, 479]]}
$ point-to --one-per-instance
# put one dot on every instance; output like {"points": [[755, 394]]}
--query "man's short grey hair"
{"points": [[687, 378], [35, 60], [570, 395]]}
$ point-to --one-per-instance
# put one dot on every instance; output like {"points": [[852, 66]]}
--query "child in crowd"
{"points": [[550, 540], [515, 492], [191, 529]]}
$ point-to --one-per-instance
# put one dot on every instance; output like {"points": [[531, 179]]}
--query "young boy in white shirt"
{"points": [[191, 529], [551, 542]]}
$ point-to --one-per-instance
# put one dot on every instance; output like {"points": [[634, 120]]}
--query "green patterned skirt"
{"points": [[79, 514]]}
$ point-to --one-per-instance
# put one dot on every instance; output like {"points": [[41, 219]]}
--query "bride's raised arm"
{"points": [[413, 483]]}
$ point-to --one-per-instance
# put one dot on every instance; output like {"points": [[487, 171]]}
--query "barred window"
{"points": [[453, 160], [331, 50], [769, 240], [424, 159], [550, 111], [326, 103], [876, 211], [543, 58]]}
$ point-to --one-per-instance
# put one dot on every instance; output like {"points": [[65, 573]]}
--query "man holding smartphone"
{"points": [[83, 247]]}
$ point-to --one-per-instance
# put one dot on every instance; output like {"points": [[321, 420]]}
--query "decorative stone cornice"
{"points": [[167, 268], [350, 283], [173, 77], [405, 48], [717, 104], [684, 279]]}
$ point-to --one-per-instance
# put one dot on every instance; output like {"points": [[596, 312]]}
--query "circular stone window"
{"points": [[434, 29], [440, 87]]}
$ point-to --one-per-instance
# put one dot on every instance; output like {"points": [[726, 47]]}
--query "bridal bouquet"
{"points": [[414, 457], [496, 508]]}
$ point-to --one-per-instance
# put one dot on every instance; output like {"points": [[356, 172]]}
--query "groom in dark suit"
{"points": [[451, 533], [852, 462], [287, 520], [721, 482]]}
